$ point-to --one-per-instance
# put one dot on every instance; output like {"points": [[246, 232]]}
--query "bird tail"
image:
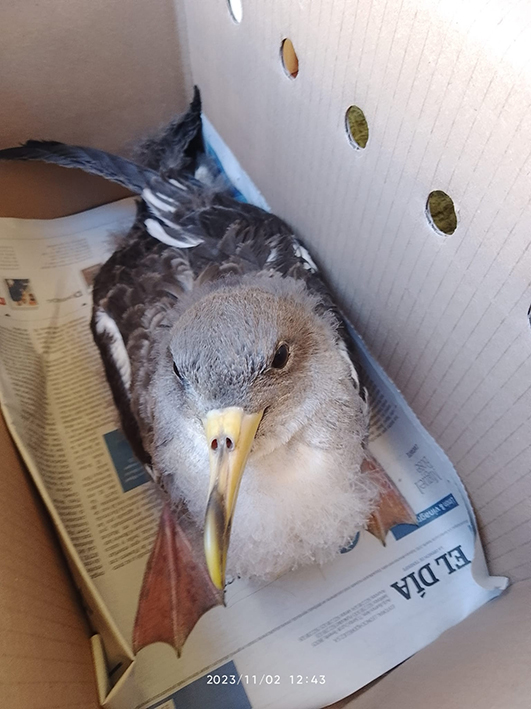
{"points": [[176, 148], [171, 166], [98, 162]]}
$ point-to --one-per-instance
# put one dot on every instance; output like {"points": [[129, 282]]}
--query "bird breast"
{"points": [[297, 505]]}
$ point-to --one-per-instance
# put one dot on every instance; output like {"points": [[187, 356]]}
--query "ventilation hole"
{"points": [[440, 212], [356, 127], [236, 10], [290, 60]]}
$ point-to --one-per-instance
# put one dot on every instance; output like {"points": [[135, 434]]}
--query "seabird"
{"points": [[235, 379]]}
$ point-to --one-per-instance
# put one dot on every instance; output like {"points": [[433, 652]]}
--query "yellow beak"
{"points": [[230, 433]]}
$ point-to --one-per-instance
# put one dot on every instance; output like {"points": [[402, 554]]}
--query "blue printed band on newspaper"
{"points": [[426, 516], [130, 472]]}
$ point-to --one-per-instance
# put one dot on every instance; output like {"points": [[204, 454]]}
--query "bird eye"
{"points": [[281, 357], [176, 371]]}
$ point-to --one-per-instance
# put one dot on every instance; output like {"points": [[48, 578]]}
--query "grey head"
{"points": [[259, 345]]}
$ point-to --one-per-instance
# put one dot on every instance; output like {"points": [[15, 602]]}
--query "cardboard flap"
{"points": [[482, 662], [40, 191], [45, 656]]}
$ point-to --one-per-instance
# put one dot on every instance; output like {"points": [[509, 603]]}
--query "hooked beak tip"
{"points": [[230, 434]]}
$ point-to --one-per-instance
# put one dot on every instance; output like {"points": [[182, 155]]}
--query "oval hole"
{"points": [[356, 127], [290, 60], [236, 10], [441, 214]]}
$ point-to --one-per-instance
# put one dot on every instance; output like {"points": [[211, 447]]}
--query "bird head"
{"points": [[251, 361]]}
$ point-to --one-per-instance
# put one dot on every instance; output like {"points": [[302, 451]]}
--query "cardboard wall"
{"points": [[97, 73], [445, 88], [100, 74]]}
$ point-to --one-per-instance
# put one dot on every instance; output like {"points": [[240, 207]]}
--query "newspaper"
{"points": [[306, 640]]}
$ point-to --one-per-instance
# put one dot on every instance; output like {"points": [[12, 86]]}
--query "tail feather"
{"points": [[176, 147], [98, 162], [172, 167]]}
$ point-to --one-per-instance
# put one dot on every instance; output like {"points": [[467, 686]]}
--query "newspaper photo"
{"points": [[305, 640]]}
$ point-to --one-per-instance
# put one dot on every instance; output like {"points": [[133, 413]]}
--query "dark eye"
{"points": [[281, 357], [176, 371]]}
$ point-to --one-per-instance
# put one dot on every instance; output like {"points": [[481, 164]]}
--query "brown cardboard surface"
{"points": [[482, 662], [40, 191], [98, 74], [45, 658], [92, 73], [445, 90]]}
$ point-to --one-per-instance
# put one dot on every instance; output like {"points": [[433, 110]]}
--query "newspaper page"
{"points": [[303, 641]]}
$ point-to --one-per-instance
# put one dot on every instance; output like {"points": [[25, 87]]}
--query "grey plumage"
{"points": [[188, 315], [98, 162]]}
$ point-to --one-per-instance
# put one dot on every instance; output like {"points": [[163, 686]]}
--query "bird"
{"points": [[236, 380]]}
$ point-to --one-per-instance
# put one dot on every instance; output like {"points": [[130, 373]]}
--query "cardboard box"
{"points": [[444, 88]]}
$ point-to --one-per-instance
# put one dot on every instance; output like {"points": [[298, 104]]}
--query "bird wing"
{"points": [[98, 162], [117, 365], [133, 294]]}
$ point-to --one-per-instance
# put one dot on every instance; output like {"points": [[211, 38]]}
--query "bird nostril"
{"points": [[229, 443]]}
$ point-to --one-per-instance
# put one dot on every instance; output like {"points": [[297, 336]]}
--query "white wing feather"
{"points": [[105, 325]]}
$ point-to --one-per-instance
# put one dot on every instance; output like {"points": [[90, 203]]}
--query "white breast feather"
{"points": [[295, 506]]}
